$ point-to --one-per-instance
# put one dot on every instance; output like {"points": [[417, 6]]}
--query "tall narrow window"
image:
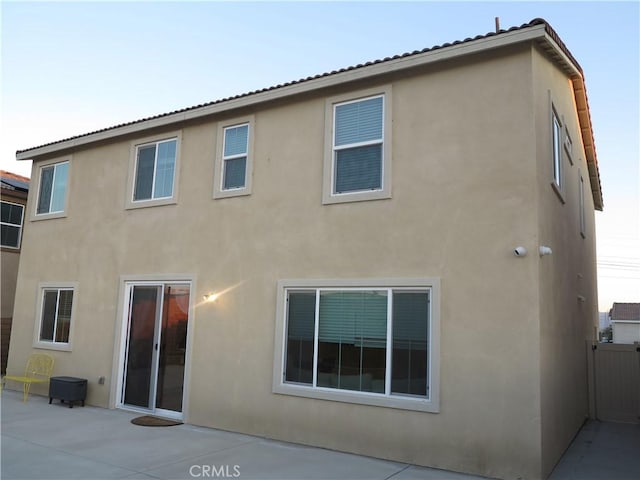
{"points": [[358, 145], [557, 154], [234, 158], [11, 224], [55, 321], [52, 192], [155, 170], [582, 212], [357, 156]]}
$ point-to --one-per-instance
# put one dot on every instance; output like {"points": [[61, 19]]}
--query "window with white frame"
{"points": [[234, 157], [557, 149], [581, 206], [357, 161], [372, 345], [234, 162], [55, 315], [52, 190], [155, 170], [11, 224]]}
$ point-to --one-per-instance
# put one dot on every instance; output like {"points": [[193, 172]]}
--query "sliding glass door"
{"points": [[155, 350]]}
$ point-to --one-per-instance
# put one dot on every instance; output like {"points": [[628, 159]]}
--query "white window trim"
{"points": [[115, 392], [581, 206], [557, 163], [20, 225], [34, 215], [133, 167], [279, 386], [328, 196], [66, 346], [218, 177]]}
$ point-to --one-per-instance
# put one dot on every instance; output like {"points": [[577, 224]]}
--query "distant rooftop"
{"points": [[13, 181], [625, 311]]}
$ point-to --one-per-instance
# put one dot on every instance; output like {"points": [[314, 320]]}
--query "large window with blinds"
{"points": [[55, 315], [357, 161], [373, 343]]}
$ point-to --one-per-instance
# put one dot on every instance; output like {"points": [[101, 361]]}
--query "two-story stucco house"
{"points": [[351, 260], [13, 195]]}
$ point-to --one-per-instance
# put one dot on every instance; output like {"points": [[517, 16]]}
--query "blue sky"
{"points": [[73, 67]]}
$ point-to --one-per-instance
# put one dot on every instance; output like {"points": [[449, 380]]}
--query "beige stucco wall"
{"points": [[567, 283], [464, 196], [9, 266]]}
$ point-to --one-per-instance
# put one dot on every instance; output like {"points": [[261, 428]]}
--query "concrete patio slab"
{"points": [[42, 441]]}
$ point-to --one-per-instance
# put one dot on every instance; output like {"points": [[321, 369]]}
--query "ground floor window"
{"points": [[55, 315], [367, 342]]}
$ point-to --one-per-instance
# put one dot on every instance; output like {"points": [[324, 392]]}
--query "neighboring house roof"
{"points": [[625, 311], [13, 181], [537, 30]]}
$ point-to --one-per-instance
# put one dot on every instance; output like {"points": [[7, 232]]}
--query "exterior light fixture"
{"points": [[210, 297], [544, 250]]}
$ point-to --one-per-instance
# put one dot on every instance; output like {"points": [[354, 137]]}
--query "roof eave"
{"points": [[368, 71], [542, 34]]}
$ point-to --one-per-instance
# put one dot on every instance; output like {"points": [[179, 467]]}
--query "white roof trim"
{"points": [[384, 67]]}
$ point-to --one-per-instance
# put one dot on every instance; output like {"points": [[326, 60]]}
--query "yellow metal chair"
{"points": [[38, 370]]}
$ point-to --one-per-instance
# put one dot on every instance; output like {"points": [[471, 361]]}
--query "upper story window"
{"points": [[234, 162], [357, 160], [581, 207], [154, 171], [55, 316], [52, 189], [557, 153], [11, 224], [371, 344]]}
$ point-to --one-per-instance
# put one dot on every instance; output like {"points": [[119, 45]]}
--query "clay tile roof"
{"points": [[532, 23], [13, 181], [577, 80], [625, 311]]}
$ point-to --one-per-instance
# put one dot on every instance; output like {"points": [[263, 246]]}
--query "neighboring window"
{"points": [[233, 167], [11, 224], [357, 163], [372, 345], [557, 154], [155, 170], [52, 192], [55, 316], [582, 212]]}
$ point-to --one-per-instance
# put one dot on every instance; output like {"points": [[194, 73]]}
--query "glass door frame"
{"points": [[125, 303]]}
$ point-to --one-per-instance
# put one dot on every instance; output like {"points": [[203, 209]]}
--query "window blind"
{"points": [[357, 318], [235, 140], [358, 121]]}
